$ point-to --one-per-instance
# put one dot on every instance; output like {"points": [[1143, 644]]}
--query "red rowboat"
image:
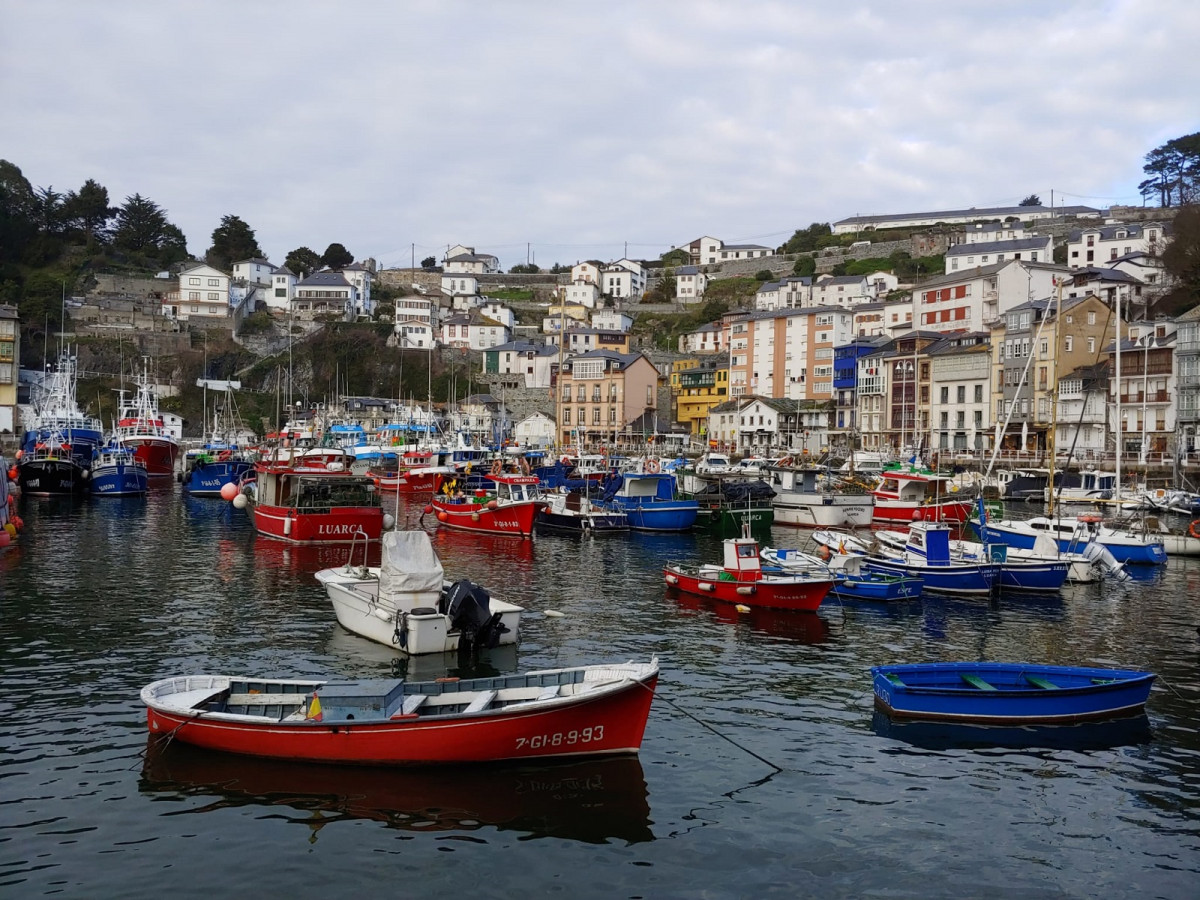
{"points": [[511, 510], [584, 711], [741, 580], [311, 497]]}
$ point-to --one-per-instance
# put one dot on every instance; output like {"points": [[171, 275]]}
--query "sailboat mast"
{"points": [[1050, 443], [1117, 300]]}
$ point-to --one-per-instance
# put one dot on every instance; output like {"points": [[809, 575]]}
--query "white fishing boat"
{"points": [[406, 603], [807, 496]]}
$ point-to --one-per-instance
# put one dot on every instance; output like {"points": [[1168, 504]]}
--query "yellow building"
{"points": [[696, 387], [10, 365]]}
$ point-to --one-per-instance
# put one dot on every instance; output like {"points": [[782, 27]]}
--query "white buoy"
{"points": [[742, 608], [240, 501], [388, 520], [554, 614]]}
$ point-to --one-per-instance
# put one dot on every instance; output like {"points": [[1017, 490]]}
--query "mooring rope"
{"points": [[700, 721]]}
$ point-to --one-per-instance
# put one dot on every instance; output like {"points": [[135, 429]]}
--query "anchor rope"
{"points": [[701, 722]]}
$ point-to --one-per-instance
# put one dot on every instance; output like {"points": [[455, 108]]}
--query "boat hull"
{"points": [[415, 634], [606, 722], [587, 523], [1008, 693], [799, 595], [205, 479], [50, 477], [512, 519], [120, 480], [409, 482], [823, 511], [877, 586], [952, 579], [158, 454], [662, 515], [899, 512], [337, 525]]}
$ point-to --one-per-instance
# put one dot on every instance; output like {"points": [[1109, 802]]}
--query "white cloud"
{"points": [[578, 129]]}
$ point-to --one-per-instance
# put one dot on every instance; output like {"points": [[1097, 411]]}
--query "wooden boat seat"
{"points": [[549, 692], [411, 704], [1038, 681], [976, 682], [895, 679], [481, 702]]}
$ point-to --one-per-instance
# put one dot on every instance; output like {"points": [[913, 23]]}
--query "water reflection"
{"points": [[592, 801], [804, 627], [1124, 732]]}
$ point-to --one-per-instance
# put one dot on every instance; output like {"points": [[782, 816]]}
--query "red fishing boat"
{"points": [[311, 497], [140, 428], [417, 473], [742, 580], [511, 508], [908, 494], [583, 711]]}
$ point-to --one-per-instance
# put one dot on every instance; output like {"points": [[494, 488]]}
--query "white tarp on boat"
{"points": [[409, 565]]}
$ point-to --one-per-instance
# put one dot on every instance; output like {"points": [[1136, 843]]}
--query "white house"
{"points": [[464, 260], [282, 290], [459, 284], [204, 293], [586, 272], [1100, 245], [792, 292], [744, 251], [1036, 248], [416, 307], [690, 283], [412, 334], [841, 290], [254, 271], [624, 278], [360, 278], [534, 363], [990, 232], [611, 320], [896, 316], [855, 224], [581, 293], [708, 338], [324, 293], [960, 391], [970, 300], [497, 311], [535, 431], [880, 284], [1110, 285], [473, 331]]}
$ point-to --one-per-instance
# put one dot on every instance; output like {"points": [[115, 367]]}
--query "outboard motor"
{"points": [[469, 608]]}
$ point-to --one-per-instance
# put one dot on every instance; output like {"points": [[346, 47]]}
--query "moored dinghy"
{"points": [[582, 711], [1008, 693]]}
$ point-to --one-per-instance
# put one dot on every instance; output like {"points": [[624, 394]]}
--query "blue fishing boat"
{"points": [[927, 556], [851, 582], [1008, 693], [213, 466], [648, 499], [117, 472], [1073, 536]]}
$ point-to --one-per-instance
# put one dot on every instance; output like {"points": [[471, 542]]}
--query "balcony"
{"points": [[1152, 397]]}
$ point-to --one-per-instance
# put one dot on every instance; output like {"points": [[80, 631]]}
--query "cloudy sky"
{"points": [[557, 131]]}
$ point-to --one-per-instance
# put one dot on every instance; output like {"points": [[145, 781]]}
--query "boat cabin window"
{"points": [[747, 551]]}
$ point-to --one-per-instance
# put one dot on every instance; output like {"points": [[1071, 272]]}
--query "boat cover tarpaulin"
{"points": [[409, 564]]}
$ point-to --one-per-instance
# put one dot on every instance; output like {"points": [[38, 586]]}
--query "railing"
{"points": [[1152, 397]]}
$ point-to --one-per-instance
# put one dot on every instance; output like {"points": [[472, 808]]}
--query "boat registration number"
{"points": [[562, 738]]}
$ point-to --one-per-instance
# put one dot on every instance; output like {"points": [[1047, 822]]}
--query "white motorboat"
{"points": [[408, 604]]}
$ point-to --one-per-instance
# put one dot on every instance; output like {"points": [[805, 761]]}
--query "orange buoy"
{"points": [[1194, 529]]}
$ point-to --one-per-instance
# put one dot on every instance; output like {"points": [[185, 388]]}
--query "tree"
{"points": [[17, 226], [87, 209], [1181, 259], [428, 263], [524, 269], [336, 257], [303, 262], [764, 275], [142, 228], [805, 266], [48, 208], [814, 237], [1174, 170], [1031, 200], [676, 257], [232, 241]]}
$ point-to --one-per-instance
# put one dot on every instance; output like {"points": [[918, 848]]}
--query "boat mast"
{"points": [[1117, 301], [1058, 323]]}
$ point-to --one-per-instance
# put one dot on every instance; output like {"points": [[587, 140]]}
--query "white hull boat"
{"points": [[408, 605]]}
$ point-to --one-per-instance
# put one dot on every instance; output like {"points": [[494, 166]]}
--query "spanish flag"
{"points": [[314, 708]]}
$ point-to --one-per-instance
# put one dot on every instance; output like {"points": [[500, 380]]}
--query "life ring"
{"points": [[1193, 529], [652, 466], [566, 460], [1090, 517], [496, 467]]}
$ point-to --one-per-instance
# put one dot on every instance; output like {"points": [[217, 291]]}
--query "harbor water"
{"points": [[765, 771]]}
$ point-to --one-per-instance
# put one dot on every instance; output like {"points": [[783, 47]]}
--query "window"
{"points": [[1045, 348], [945, 394], [566, 415], [962, 418], [193, 295], [978, 395], [212, 282], [649, 395], [595, 415], [1092, 318], [1091, 345], [945, 420], [962, 393], [582, 393], [195, 309]]}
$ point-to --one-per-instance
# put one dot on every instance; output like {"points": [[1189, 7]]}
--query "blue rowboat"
{"points": [[1008, 693], [876, 586]]}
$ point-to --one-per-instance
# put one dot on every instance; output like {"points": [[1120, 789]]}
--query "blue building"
{"points": [[845, 379]]}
